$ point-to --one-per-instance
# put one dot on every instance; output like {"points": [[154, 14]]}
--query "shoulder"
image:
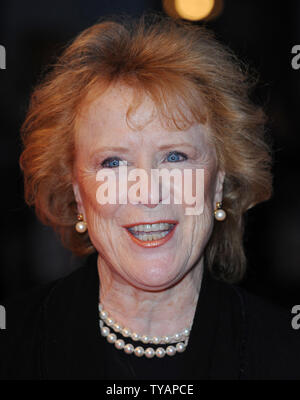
{"points": [[258, 312], [18, 341], [25, 313], [273, 345], [270, 346], [23, 308]]}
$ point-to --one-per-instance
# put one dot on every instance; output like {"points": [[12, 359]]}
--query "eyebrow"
{"points": [[167, 146], [126, 150], [114, 148]]}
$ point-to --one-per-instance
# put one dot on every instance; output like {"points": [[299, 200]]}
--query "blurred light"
{"points": [[193, 10]]}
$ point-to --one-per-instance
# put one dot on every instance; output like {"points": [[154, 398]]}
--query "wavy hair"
{"points": [[175, 63]]}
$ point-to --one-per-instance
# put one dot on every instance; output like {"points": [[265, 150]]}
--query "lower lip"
{"points": [[152, 243]]}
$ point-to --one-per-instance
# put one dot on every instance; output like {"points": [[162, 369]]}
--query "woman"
{"points": [[157, 298]]}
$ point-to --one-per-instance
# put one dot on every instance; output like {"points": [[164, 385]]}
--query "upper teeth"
{"points": [[151, 227]]}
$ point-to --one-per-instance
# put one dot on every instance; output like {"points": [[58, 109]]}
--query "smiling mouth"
{"points": [[151, 234]]}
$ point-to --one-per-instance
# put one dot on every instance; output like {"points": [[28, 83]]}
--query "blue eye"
{"points": [[112, 162], [174, 155]]}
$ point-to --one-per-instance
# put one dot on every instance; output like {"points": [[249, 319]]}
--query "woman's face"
{"points": [[101, 131]]}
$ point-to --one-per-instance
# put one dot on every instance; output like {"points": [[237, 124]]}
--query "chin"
{"points": [[156, 278]]}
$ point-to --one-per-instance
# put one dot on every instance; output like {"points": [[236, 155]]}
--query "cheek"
{"points": [[93, 209], [209, 184], [201, 186], [201, 225]]}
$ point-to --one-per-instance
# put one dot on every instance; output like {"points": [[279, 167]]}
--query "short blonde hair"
{"points": [[175, 63]]}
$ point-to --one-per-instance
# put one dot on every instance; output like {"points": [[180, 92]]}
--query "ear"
{"points": [[218, 196], [78, 197]]}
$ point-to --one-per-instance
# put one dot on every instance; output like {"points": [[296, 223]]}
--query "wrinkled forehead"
{"points": [[115, 104], [124, 109], [178, 106]]}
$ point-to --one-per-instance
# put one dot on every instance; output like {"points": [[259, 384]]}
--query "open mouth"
{"points": [[151, 234]]}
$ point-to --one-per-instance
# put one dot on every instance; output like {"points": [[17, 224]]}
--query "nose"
{"points": [[149, 192]]}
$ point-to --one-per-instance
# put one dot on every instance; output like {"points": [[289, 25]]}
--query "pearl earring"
{"points": [[81, 225], [220, 214]]}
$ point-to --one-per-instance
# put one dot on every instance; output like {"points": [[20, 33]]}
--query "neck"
{"points": [[159, 313]]}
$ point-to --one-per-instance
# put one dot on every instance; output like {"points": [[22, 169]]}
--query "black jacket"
{"points": [[52, 332]]}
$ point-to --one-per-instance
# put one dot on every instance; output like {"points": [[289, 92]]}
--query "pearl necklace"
{"points": [[181, 338]]}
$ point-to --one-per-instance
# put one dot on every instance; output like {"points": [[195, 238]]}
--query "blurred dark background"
{"points": [[262, 33]]}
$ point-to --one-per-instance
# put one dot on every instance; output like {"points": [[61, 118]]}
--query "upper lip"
{"points": [[161, 221]]}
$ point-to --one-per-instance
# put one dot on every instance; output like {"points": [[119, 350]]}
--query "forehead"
{"points": [[105, 119], [111, 107]]}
